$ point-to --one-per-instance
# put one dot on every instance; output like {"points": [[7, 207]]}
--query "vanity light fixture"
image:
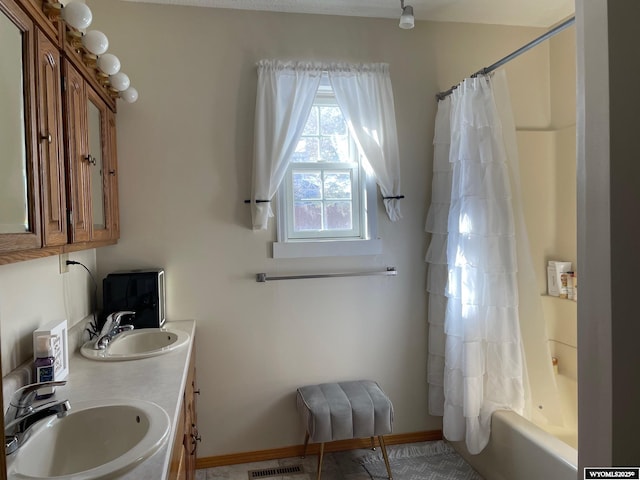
{"points": [[108, 64], [119, 81], [407, 21], [76, 15], [92, 46], [130, 95], [95, 42]]}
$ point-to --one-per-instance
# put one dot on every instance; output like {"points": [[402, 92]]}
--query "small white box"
{"points": [[552, 280], [58, 331]]}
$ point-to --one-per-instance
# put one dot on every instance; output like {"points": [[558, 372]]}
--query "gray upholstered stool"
{"points": [[340, 411]]}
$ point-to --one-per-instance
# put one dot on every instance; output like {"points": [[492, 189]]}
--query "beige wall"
{"points": [[34, 293], [185, 153]]}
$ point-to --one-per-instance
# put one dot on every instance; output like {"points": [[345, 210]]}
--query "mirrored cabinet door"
{"points": [[19, 185], [97, 113], [78, 180], [91, 160], [50, 150]]}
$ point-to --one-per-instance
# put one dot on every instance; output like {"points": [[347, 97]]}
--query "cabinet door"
{"points": [[112, 170], [193, 436], [98, 130], [50, 148], [20, 226], [92, 164], [79, 189]]}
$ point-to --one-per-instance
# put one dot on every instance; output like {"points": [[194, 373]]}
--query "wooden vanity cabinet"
{"points": [[185, 445], [192, 439], [91, 162]]}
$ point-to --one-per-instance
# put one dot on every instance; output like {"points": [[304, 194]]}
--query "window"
{"points": [[326, 195], [304, 155]]}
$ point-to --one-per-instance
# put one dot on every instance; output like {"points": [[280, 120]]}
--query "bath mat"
{"points": [[430, 461]]}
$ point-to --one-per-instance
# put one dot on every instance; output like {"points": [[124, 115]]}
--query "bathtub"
{"points": [[522, 450]]}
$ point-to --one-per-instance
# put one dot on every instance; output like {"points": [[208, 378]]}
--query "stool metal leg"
{"points": [[385, 456], [306, 442], [320, 455]]}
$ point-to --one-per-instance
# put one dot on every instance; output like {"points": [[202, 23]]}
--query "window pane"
{"points": [[334, 149], [306, 150], [311, 127], [338, 216], [331, 121], [307, 185], [337, 185], [307, 216]]}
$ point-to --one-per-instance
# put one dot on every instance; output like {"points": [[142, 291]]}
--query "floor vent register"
{"points": [[275, 471]]}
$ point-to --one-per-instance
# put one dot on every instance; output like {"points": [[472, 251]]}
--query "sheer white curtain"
{"points": [[285, 95], [286, 91], [483, 368], [365, 97]]}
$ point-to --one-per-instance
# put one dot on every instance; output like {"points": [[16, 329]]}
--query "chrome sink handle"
{"points": [[22, 399], [112, 328], [22, 415]]}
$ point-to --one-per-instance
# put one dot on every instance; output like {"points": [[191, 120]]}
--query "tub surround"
{"points": [[159, 379]]}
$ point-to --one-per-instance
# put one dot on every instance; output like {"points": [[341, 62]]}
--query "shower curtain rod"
{"points": [[511, 56]]}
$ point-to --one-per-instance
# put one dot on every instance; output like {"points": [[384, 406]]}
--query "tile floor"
{"points": [[336, 466]]}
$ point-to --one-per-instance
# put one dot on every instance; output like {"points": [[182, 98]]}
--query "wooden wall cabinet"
{"points": [[185, 445], [91, 161], [60, 124]]}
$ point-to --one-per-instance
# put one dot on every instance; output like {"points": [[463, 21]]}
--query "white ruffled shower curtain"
{"points": [[476, 352]]}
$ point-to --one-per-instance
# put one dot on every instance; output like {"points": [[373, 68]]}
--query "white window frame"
{"points": [[323, 244]]}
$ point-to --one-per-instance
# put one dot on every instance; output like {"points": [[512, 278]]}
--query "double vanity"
{"points": [[131, 415]]}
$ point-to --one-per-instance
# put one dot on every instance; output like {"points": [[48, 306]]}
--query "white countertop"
{"points": [[159, 379]]}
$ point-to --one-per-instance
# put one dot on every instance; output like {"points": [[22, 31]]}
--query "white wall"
{"points": [[185, 152]]}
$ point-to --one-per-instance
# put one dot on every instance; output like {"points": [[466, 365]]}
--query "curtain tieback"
{"points": [[397, 197], [258, 201]]}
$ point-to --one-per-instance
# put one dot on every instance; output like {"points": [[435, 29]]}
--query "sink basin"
{"points": [[95, 440], [136, 344]]}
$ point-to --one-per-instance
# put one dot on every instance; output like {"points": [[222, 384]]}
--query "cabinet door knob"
{"points": [[90, 159], [112, 172], [47, 137]]}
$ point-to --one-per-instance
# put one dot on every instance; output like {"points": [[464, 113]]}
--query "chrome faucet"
{"points": [[22, 413], [112, 329]]}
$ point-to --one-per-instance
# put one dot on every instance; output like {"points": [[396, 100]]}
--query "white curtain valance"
{"points": [[285, 95]]}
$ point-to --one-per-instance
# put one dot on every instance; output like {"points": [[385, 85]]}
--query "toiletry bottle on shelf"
{"points": [[44, 365]]}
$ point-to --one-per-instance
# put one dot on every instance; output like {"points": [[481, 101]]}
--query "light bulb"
{"points": [[109, 64], [130, 95], [406, 19], [76, 15], [120, 81], [95, 42]]}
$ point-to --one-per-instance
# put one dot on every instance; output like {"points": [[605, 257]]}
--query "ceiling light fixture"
{"points": [[407, 21]]}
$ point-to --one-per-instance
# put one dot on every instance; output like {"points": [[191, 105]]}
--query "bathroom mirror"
{"points": [[19, 187], [14, 191], [97, 166]]}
